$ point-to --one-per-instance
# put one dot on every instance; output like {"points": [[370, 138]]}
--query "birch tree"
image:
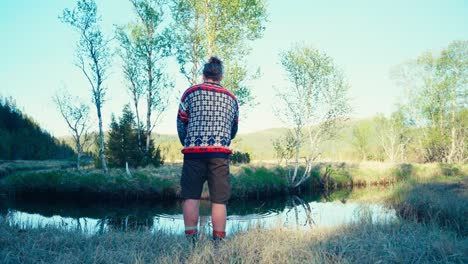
{"points": [[393, 136], [315, 103], [133, 72], [146, 44], [284, 147], [437, 97], [76, 115], [189, 36], [220, 28], [93, 56], [453, 69]]}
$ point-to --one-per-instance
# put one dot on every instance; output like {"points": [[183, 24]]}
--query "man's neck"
{"points": [[212, 82]]}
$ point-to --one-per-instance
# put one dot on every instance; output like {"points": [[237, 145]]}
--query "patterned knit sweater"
{"points": [[207, 121]]}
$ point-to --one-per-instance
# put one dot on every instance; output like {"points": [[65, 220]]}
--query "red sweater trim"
{"points": [[208, 88], [207, 149], [184, 117]]}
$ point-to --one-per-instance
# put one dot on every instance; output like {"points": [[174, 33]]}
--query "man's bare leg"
{"points": [[190, 208], [218, 216]]}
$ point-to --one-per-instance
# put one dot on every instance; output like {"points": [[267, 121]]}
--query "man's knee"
{"points": [[221, 206], [191, 209]]}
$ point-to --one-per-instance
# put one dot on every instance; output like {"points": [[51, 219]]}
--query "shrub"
{"points": [[240, 157]]}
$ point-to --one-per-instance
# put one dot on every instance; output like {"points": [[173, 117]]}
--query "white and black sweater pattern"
{"points": [[207, 121]]}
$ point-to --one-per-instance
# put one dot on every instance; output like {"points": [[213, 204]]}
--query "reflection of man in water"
{"points": [[206, 124]]}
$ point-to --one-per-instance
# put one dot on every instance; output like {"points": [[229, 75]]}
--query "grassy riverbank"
{"points": [[248, 181], [364, 242], [443, 201], [431, 229], [8, 167], [142, 184], [375, 173], [91, 184]]}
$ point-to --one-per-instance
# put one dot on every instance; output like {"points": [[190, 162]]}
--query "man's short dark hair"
{"points": [[213, 69]]}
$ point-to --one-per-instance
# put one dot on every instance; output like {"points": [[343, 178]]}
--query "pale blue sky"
{"points": [[365, 38]]}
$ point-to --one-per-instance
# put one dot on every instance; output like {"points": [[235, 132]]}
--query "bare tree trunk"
{"points": [[78, 149], [76, 115], [391, 149], [210, 33], [195, 66], [296, 163], [149, 102], [101, 137], [93, 55], [313, 141], [135, 101], [195, 53], [453, 137], [78, 161], [148, 131]]}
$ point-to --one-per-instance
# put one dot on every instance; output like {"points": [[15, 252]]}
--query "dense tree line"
{"points": [[437, 101], [22, 138], [122, 144]]}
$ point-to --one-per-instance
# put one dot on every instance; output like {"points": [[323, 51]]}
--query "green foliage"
{"points": [[14, 166], [333, 177], [360, 141], [123, 147], [122, 144], [85, 185], [218, 28], [315, 78], [258, 182], [437, 102], [285, 147], [144, 47], [22, 138], [315, 101], [240, 157]]}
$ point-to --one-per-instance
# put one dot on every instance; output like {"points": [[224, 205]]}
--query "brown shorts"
{"points": [[214, 170]]}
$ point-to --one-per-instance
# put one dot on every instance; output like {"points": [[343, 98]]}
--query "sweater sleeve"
{"points": [[235, 123], [182, 121]]}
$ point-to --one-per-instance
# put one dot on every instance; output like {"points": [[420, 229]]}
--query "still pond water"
{"points": [[303, 212]]}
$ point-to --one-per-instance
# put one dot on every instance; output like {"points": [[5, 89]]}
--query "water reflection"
{"points": [[305, 212], [296, 206]]}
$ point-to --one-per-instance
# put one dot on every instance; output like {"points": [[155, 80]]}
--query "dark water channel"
{"points": [[305, 211]]}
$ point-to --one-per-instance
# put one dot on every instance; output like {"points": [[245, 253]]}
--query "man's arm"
{"points": [[182, 122], [235, 124]]}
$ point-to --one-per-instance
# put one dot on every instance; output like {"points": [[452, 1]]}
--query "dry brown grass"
{"points": [[443, 202], [364, 242]]}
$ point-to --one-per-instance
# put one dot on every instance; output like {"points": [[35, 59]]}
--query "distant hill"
{"points": [[21, 138], [259, 143]]}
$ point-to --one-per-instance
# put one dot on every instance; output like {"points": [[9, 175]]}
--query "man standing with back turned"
{"points": [[206, 123]]}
